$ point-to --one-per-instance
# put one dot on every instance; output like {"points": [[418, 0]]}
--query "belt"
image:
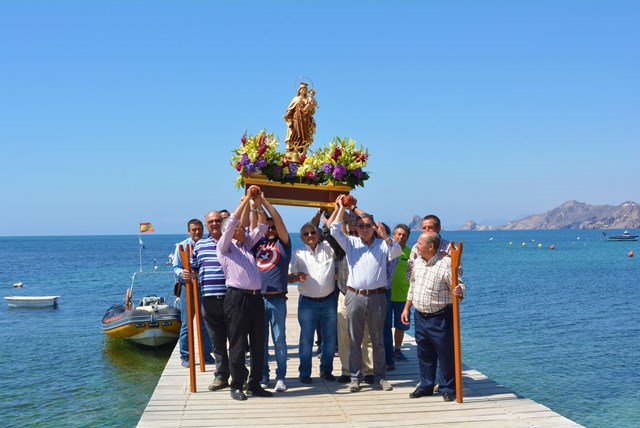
{"points": [[318, 299], [219, 297], [368, 292], [272, 294], [434, 314], [240, 290]]}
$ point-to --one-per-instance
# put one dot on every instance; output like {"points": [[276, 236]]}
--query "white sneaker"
{"points": [[385, 385], [280, 386]]}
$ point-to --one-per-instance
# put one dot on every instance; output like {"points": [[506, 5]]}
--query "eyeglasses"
{"points": [[365, 226], [271, 228], [311, 233]]}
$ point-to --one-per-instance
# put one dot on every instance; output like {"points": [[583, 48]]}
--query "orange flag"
{"points": [[146, 227]]}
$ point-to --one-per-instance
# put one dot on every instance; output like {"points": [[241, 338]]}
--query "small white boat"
{"points": [[32, 301], [18, 285]]}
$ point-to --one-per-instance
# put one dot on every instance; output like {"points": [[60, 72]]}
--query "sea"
{"points": [[552, 315]]}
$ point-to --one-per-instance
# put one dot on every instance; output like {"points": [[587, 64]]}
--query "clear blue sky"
{"points": [[115, 112]]}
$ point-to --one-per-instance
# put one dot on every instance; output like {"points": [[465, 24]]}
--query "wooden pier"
{"points": [[324, 403]]}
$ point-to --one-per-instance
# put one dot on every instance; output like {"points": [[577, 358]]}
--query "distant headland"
{"points": [[573, 215]]}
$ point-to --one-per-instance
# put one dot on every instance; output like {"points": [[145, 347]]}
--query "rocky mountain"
{"points": [[573, 215], [415, 223]]}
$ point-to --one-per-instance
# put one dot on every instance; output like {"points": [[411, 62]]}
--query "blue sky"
{"points": [[115, 112]]}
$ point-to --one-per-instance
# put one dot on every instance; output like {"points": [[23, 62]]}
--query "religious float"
{"points": [[300, 176]]}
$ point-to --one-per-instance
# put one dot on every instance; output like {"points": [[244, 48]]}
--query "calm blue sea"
{"points": [[558, 326]]}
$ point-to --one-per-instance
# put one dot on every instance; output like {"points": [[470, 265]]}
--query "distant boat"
{"points": [[626, 236], [32, 301], [18, 285]]}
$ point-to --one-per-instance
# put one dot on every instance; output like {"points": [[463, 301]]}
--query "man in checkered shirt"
{"points": [[430, 293]]}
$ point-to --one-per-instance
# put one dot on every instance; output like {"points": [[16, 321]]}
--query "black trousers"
{"points": [[216, 322], [245, 317]]}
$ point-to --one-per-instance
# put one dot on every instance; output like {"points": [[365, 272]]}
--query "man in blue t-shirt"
{"points": [[273, 254]]}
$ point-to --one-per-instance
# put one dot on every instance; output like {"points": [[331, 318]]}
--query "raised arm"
{"points": [[283, 234]]}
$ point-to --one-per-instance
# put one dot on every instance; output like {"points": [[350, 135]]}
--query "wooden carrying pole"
{"points": [[456, 253], [184, 258], [196, 303]]}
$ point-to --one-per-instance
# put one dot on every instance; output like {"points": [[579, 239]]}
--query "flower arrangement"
{"points": [[340, 162]]}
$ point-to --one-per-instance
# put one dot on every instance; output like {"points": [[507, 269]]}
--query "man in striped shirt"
{"points": [[431, 295], [205, 262]]}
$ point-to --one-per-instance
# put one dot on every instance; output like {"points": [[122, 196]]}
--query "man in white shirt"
{"points": [[314, 268], [367, 258]]}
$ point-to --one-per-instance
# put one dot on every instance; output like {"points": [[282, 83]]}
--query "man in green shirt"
{"points": [[400, 288]]}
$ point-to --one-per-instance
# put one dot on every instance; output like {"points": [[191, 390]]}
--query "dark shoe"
{"points": [[259, 392], [306, 380], [391, 367], [447, 396], [218, 384], [417, 393], [398, 355], [368, 379], [327, 376], [344, 379], [236, 394]]}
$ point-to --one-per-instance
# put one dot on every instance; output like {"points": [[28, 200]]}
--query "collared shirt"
{"points": [[367, 264], [430, 289], [237, 259], [319, 265], [400, 282], [177, 261], [205, 261]]}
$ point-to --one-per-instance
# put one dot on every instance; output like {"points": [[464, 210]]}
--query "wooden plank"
{"points": [[486, 403]]}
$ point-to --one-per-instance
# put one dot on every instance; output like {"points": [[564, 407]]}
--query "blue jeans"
{"points": [[275, 315], [389, 346], [184, 334], [309, 313]]}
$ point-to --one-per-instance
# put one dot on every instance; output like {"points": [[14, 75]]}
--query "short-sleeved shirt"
{"points": [[400, 282], [272, 258], [319, 265]]}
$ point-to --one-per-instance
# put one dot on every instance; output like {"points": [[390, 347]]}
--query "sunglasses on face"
{"points": [[271, 228], [365, 226], [310, 233]]}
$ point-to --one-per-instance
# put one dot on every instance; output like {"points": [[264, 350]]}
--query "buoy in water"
{"points": [[553, 247], [524, 243], [510, 242], [539, 245], [630, 253]]}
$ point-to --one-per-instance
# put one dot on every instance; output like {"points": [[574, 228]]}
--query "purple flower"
{"points": [[339, 172], [277, 171], [357, 173], [293, 168], [245, 159], [261, 163], [251, 168], [327, 168]]}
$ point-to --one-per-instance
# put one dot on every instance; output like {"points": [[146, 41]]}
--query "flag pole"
{"points": [[140, 247]]}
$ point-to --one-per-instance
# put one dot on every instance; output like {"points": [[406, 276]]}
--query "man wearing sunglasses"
{"points": [[313, 267], [367, 259], [273, 254]]}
